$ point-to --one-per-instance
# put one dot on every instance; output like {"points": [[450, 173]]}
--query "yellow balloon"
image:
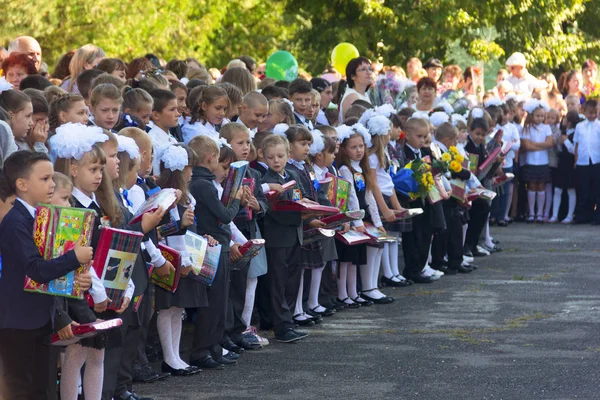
{"points": [[341, 56]]}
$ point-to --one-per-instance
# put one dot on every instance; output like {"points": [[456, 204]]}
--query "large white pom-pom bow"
{"points": [[379, 125], [289, 103], [533, 104], [360, 128], [223, 142], [458, 117], [175, 158], [385, 109], [128, 145], [280, 129], [448, 109], [494, 101], [343, 132], [318, 144], [72, 141], [477, 113], [438, 118]]}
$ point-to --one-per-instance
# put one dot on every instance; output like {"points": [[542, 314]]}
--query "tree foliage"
{"points": [[552, 33]]}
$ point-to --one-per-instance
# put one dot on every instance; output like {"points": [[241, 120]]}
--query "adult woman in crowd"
{"points": [[359, 76], [17, 67]]}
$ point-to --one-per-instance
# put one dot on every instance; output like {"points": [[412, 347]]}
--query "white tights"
{"points": [[249, 302], [93, 377], [369, 273], [169, 324]]}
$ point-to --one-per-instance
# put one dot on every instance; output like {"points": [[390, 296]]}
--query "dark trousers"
{"points": [[328, 289], [24, 363], [145, 313], [118, 359], [478, 215], [586, 192], [210, 320], [415, 244], [284, 281], [235, 325], [263, 303], [450, 241]]}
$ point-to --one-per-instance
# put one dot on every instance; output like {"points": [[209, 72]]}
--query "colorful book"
{"points": [[234, 181], [204, 268], [353, 237], [272, 194], [339, 190], [303, 206], [316, 234], [55, 231], [485, 168], [506, 148], [245, 213], [473, 162], [437, 192], [165, 198], [377, 236], [481, 193], [171, 281], [114, 260], [87, 330], [249, 250], [459, 189]]}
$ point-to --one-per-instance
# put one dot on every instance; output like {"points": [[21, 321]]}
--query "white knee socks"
{"points": [[531, 202], [509, 200], [389, 259], [556, 202], [315, 285], [249, 302], [541, 197], [572, 201], [352, 291], [168, 324], [298, 311], [342, 280]]}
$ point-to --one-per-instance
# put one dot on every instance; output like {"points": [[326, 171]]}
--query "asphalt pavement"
{"points": [[525, 325]]}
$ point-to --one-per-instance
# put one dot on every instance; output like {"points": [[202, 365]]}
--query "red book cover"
{"points": [[337, 220], [171, 281], [487, 165], [165, 198], [506, 148], [305, 207], [502, 179], [114, 260], [272, 194], [87, 330], [458, 189], [55, 231], [407, 213], [353, 237], [317, 234], [249, 250]]}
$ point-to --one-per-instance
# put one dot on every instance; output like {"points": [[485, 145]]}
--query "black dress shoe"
{"points": [[230, 346], [302, 322], [317, 319], [145, 374], [179, 372], [391, 283], [348, 305], [449, 271], [462, 269], [364, 302], [225, 361], [327, 313], [248, 345], [383, 300], [208, 364], [288, 336], [422, 279], [132, 396]]}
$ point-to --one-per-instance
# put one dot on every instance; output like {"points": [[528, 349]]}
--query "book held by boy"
{"points": [[272, 194], [245, 213], [55, 231], [353, 237], [205, 259], [234, 181], [304, 206], [114, 260]]}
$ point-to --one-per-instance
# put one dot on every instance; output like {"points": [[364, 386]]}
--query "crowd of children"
{"points": [[116, 133]]}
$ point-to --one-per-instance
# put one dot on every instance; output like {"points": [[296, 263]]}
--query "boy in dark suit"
{"points": [[26, 319], [450, 241], [212, 218], [283, 238], [415, 244]]}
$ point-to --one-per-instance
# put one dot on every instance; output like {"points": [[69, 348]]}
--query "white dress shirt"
{"points": [[587, 140], [537, 134]]}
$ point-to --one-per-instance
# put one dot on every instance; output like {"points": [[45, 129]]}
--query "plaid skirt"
{"points": [[310, 256], [396, 226]]}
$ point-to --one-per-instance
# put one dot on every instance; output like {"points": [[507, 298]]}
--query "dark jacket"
{"points": [[282, 228], [212, 217], [20, 257]]}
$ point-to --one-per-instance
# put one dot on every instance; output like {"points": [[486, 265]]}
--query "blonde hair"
{"points": [[126, 165], [240, 77], [315, 95], [84, 55], [52, 92], [283, 108], [141, 138], [275, 140], [61, 180], [203, 146], [446, 130], [378, 148], [105, 91], [200, 73], [231, 129]]}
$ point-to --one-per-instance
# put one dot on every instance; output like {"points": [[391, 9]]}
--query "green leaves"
{"points": [[551, 33]]}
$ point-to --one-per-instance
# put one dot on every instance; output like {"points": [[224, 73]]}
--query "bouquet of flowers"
{"points": [[455, 159], [415, 180]]}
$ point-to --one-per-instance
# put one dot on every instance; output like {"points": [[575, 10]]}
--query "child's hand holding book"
{"points": [[84, 254], [152, 219]]}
